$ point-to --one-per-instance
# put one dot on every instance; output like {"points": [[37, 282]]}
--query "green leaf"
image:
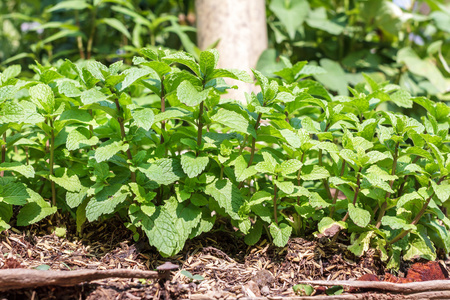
{"points": [[69, 5], [268, 165], [92, 96], [163, 171], [254, 234], [233, 120], [292, 138], [184, 59], [131, 76], [14, 193], [241, 171], [192, 165], [208, 61], [303, 289], [227, 195], [420, 246], [25, 170], [280, 234], [70, 183], [334, 290], [35, 210], [109, 149], [359, 216], [230, 73], [7, 92], [143, 118], [329, 227], [189, 95], [290, 166], [291, 14], [285, 186], [42, 95], [397, 223], [74, 199], [106, 201], [76, 140], [314, 173], [117, 25], [402, 98], [361, 244], [162, 232], [442, 190], [405, 198]]}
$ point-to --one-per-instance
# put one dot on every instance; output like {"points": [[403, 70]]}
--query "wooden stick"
{"points": [[28, 278], [407, 288], [438, 295]]}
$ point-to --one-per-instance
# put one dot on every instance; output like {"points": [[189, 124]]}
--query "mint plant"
{"points": [[159, 145]]}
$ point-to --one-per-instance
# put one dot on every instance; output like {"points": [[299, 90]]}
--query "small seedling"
{"points": [[189, 275]]}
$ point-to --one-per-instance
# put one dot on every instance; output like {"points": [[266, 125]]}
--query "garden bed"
{"points": [[230, 268]]}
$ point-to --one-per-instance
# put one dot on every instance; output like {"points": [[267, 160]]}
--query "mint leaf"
{"points": [[184, 59], [361, 244], [143, 118], [314, 173], [35, 210], [163, 171], [280, 234], [109, 149], [233, 120], [189, 95], [241, 171], [254, 234], [193, 166], [106, 201], [208, 61], [25, 170], [290, 166], [70, 183], [131, 76], [77, 140], [14, 193], [397, 223], [93, 96], [227, 196], [442, 190], [285, 186], [230, 73], [359, 216], [42, 96]]}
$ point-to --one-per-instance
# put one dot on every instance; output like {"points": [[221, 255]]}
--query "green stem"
{"points": [[123, 134], [163, 109], [200, 128], [391, 184], [337, 191], [324, 181], [79, 38], [400, 189], [52, 160], [27, 156], [416, 219], [358, 183], [275, 212], [2, 173], [299, 173]]}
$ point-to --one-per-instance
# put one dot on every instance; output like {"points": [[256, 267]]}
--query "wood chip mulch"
{"points": [[230, 268]]}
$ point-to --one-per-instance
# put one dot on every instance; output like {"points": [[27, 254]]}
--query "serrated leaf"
{"points": [[106, 201], [268, 165], [359, 216], [230, 73], [361, 244], [241, 171], [163, 171], [402, 98], [132, 75], [254, 234], [442, 190], [314, 173], [382, 174], [397, 223], [233, 120], [192, 165], [35, 210], [227, 195], [184, 59], [280, 234], [76, 140], [375, 156], [208, 61], [42, 96], [420, 246], [25, 170], [378, 182], [74, 199], [143, 118], [189, 95], [92, 96], [290, 166], [285, 186], [109, 149], [14, 193], [7, 92], [292, 138], [70, 183]]}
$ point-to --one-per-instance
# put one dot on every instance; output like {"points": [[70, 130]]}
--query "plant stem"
{"points": [[416, 219], [26, 155], [79, 39], [200, 128], [2, 173], [52, 160], [391, 184], [337, 191], [275, 213], [358, 183], [123, 135], [400, 189], [324, 181], [163, 109], [91, 35], [299, 179]]}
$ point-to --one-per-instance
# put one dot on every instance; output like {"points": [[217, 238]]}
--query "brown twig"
{"points": [[26, 278]]}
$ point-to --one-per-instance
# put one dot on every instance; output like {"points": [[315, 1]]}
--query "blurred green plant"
{"points": [[407, 45], [106, 30]]}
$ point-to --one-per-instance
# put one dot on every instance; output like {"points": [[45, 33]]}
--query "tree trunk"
{"points": [[240, 26]]}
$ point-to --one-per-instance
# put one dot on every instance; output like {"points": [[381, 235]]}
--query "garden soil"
{"points": [[230, 269]]}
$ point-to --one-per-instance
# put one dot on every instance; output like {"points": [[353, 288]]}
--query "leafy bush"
{"points": [[157, 145], [407, 45]]}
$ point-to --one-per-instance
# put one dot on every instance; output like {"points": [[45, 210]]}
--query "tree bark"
{"points": [[240, 26]]}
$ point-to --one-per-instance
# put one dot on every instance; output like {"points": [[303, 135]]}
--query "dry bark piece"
{"points": [[426, 271], [263, 278], [26, 278]]}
